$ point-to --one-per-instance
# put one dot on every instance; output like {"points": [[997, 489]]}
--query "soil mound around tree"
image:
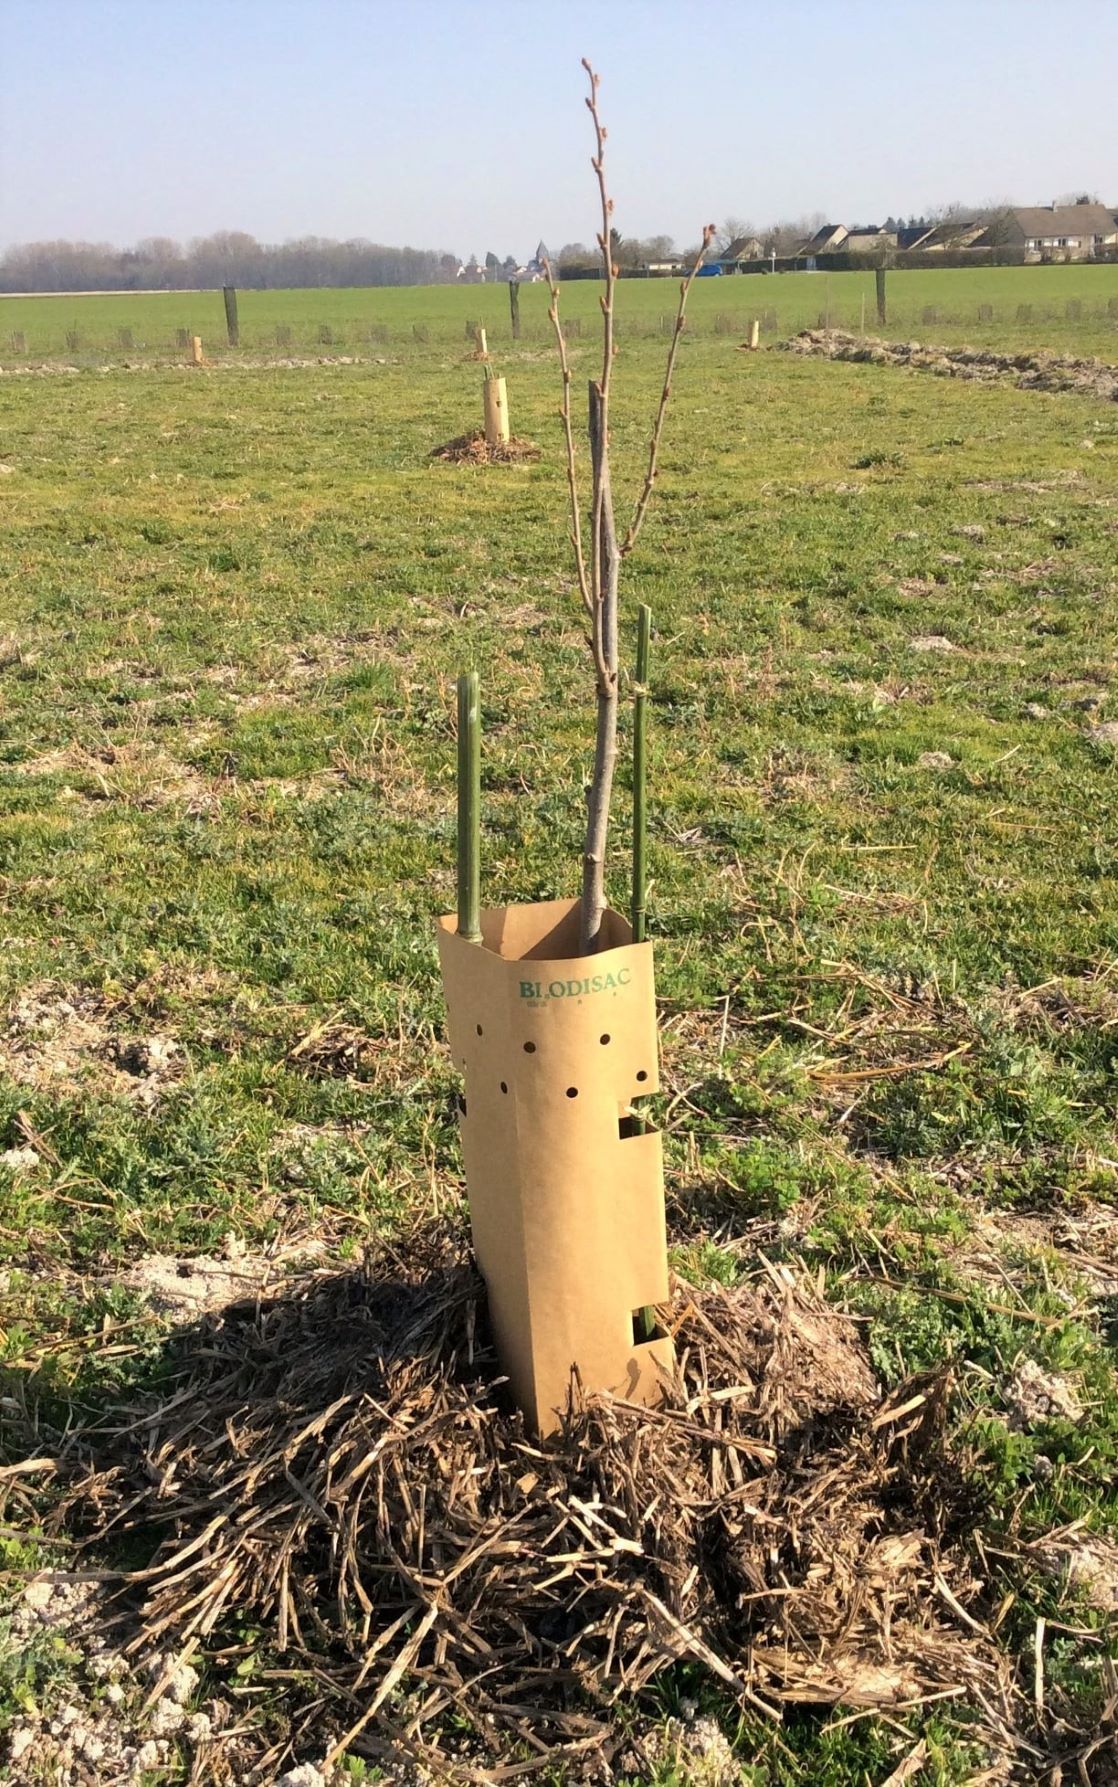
{"points": [[474, 449], [336, 1467], [1038, 371]]}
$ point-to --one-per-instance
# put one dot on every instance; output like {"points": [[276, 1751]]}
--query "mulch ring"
{"points": [[474, 449], [336, 1467]]}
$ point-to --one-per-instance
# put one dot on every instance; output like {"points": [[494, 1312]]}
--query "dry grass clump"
{"points": [[337, 1465], [474, 449]]}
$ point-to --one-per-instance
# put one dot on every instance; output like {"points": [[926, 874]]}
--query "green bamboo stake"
{"points": [[469, 808], [640, 777], [646, 1317]]}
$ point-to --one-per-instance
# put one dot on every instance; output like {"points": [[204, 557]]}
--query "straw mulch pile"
{"points": [[474, 449], [336, 1465], [1040, 371]]}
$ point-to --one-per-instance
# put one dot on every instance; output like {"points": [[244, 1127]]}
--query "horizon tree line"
{"points": [[233, 257]]}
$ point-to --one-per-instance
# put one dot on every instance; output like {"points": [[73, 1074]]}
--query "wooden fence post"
{"points": [[229, 293], [879, 277], [514, 307]]}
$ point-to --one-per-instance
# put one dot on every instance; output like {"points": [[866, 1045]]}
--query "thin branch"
{"points": [[600, 495], [635, 525], [572, 474], [605, 239]]}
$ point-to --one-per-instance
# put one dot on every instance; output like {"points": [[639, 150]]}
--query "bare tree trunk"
{"points": [[606, 660]]}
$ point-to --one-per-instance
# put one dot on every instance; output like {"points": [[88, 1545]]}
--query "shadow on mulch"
{"points": [[336, 1465]]}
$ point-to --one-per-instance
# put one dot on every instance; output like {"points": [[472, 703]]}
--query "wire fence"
{"points": [[363, 337]]}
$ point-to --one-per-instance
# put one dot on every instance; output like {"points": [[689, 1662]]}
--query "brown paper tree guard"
{"points": [[496, 411], [566, 1197]]}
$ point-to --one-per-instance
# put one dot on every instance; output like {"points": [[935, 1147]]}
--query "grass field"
{"points": [[1073, 309], [886, 870]]}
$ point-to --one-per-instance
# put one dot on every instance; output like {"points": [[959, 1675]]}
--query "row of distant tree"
{"points": [[232, 257], [228, 258]]}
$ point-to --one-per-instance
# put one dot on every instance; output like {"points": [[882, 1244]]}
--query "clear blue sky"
{"points": [[457, 125]]}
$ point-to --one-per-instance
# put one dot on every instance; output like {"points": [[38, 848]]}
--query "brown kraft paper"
{"points": [[566, 1203]]}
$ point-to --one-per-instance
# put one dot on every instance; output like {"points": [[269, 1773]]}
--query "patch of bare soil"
{"points": [[63, 1040], [324, 654], [190, 1285], [932, 642], [1036, 1396], [1084, 1240], [1038, 371], [313, 658], [338, 1467], [108, 1723], [694, 1749], [474, 449], [1085, 1562], [255, 363], [143, 778], [790, 774]]}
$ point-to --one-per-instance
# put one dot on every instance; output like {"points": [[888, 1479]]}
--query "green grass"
{"points": [[1072, 308], [235, 603]]}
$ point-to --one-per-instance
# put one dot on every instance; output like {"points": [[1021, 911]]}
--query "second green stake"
{"points": [[645, 1322], [469, 808]]}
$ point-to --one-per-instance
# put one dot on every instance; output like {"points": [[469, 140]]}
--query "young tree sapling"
{"points": [[598, 572]]}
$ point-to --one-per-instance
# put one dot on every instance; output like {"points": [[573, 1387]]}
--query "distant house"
{"points": [[740, 252], [947, 237], [831, 239], [1059, 232], [870, 241]]}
